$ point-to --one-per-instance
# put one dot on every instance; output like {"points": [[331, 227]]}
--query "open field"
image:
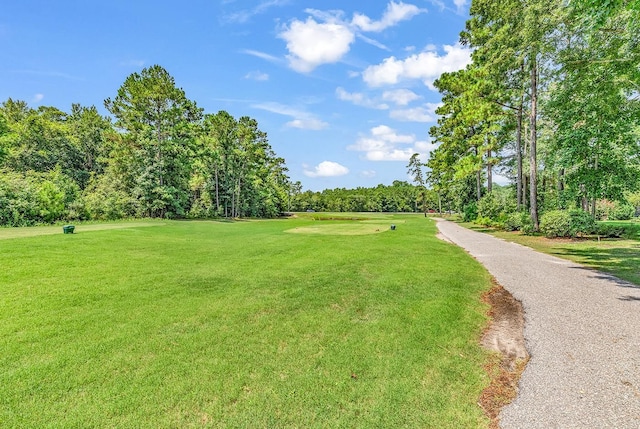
{"points": [[241, 324]]}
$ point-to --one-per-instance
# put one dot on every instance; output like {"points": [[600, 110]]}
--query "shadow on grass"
{"points": [[624, 262]]}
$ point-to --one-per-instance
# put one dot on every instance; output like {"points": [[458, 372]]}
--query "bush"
{"points": [[104, 200], [489, 207], [517, 221], [470, 212], [484, 221], [564, 223], [581, 223], [610, 230], [622, 212], [556, 223]]}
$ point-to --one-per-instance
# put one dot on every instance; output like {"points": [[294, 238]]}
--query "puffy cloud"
{"points": [[426, 113], [385, 144], [301, 119], [426, 66], [311, 44], [368, 174], [38, 98], [359, 99], [327, 169], [326, 37], [395, 13], [401, 97], [257, 75]]}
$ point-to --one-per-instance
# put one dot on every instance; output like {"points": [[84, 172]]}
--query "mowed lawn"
{"points": [[257, 324]]}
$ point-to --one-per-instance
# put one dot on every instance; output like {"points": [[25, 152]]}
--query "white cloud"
{"points": [[359, 99], [460, 4], [327, 169], [257, 75], [38, 98], [395, 13], [426, 66], [385, 144], [401, 97], [426, 113], [311, 44], [307, 124], [373, 42], [368, 174], [326, 37], [243, 16], [261, 55], [301, 119]]}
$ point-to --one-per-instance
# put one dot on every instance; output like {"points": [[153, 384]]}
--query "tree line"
{"points": [[551, 100], [401, 196], [158, 156]]}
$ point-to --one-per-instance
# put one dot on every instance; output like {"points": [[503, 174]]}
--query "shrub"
{"points": [[610, 230], [517, 221], [564, 223], [581, 222], [556, 223], [470, 212], [483, 221], [489, 207], [622, 212]]}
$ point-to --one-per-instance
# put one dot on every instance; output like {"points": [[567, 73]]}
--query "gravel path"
{"points": [[582, 329]]}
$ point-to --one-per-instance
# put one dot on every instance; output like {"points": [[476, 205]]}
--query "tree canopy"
{"points": [[157, 156]]}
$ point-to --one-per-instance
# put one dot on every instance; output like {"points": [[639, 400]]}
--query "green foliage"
{"points": [[581, 222], [615, 230], [545, 60], [32, 198], [518, 221], [470, 212], [496, 204], [484, 221], [18, 200], [556, 223], [566, 223], [399, 197], [163, 160], [622, 212], [106, 198]]}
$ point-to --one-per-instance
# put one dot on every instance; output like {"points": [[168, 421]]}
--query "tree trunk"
{"points": [[595, 191], [489, 172], [519, 182], [478, 177], [561, 180], [533, 180]]}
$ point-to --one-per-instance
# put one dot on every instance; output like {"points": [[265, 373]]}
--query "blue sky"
{"points": [[343, 89]]}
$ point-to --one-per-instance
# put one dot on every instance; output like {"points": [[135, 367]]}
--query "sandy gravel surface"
{"points": [[582, 330]]}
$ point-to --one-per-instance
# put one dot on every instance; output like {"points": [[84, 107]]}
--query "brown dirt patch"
{"points": [[504, 336]]}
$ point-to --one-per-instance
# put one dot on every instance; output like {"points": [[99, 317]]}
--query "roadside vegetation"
{"points": [[617, 256], [241, 324]]}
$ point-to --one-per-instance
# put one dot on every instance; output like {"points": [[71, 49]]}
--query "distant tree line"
{"points": [[551, 100], [158, 156], [398, 197]]}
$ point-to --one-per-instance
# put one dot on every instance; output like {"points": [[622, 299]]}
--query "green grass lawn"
{"points": [[241, 324]]}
